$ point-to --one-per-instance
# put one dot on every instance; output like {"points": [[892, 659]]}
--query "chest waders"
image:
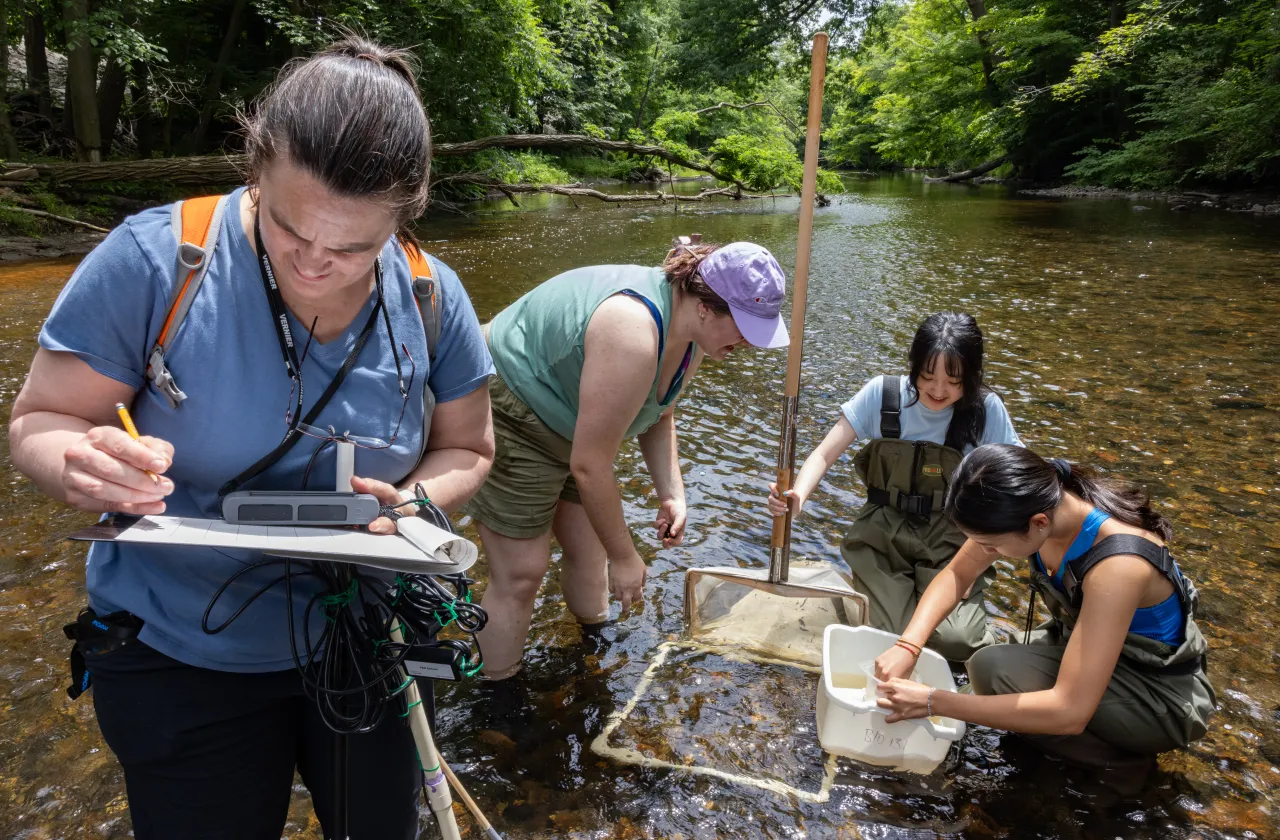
{"points": [[901, 538], [1167, 698], [1158, 697]]}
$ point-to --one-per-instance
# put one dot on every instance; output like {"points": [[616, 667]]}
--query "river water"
{"points": [[1140, 340]]}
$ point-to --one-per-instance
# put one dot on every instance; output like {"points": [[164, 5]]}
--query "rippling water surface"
{"points": [[1145, 342]]}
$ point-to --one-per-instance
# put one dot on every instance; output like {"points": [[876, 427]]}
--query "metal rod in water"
{"points": [[780, 545], [780, 541]]}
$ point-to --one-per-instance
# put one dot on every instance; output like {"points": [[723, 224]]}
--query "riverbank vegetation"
{"points": [[1140, 94], [1152, 94]]}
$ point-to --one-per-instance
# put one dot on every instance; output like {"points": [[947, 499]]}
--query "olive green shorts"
{"points": [[530, 473]]}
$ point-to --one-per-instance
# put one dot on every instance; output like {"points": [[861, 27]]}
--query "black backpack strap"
{"points": [[1156, 555], [891, 407]]}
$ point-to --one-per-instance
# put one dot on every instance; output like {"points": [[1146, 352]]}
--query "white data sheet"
{"points": [[432, 551]]}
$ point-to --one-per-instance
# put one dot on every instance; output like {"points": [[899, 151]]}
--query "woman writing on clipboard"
{"points": [[210, 728]]}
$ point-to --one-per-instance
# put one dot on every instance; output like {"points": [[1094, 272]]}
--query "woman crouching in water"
{"points": [[1117, 675]]}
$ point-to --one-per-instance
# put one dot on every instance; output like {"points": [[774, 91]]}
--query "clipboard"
{"points": [[433, 552]]}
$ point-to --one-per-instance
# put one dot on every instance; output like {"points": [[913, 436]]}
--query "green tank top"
{"points": [[537, 342]]}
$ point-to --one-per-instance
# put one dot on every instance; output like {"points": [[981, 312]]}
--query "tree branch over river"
{"points": [[225, 169]]}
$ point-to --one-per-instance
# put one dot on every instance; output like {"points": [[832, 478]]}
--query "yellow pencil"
{"points": [[133, 431]]}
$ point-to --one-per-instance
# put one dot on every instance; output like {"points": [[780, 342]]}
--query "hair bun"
{"points": [[1062, 468], [352, 45]]}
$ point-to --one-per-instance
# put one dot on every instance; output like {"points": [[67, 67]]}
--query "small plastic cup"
{"points": [[872, 691]]}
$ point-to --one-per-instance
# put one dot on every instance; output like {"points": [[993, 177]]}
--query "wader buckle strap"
{"points": [[891, 407], [916, 505], [96, 634]]}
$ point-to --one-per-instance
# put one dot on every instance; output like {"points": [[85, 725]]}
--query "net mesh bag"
{"points": [[739, 610]]}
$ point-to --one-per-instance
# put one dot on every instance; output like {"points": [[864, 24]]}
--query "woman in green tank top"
{"points": [[586, 360]]}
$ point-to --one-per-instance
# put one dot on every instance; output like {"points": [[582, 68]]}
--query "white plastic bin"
{"points": [[852, 725]]}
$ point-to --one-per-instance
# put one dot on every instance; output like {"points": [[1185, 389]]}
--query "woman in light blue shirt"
{"points": [[918, 427]]}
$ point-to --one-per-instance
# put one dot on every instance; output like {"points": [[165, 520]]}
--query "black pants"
{"points": [[210, 754]]}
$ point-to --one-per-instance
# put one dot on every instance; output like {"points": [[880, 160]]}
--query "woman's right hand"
{"points": [[105, 471], [897, 661], [626, 582], [777, 507]]}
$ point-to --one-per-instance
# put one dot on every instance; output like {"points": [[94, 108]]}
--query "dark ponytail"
{"points": [[954, 339], [351, 116], [999, 487]]}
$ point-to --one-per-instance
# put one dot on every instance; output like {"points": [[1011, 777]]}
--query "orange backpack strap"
{"points": [[430, 295], [196, 223]]}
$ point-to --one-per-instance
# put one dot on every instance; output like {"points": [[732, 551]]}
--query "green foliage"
{"points": [[20, 223], [521, 167], [1174, 92], [766, 165], [761, 166], [51, 203], [589, 167], [734, 43], [1125, 92], [1201, 120], [111, 32], [1116, 48], [917, 97]]}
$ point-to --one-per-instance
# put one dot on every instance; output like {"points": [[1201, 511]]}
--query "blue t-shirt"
{"points": [[226, 357], [918, 422]]}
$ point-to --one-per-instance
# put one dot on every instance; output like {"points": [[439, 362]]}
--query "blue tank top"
{"points": [[1163, 622]]}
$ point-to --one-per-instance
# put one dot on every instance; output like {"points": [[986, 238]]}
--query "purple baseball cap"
{"points": [[750, 280]]}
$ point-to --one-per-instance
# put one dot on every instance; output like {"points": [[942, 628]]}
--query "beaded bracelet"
{"points": [[928, 703]]}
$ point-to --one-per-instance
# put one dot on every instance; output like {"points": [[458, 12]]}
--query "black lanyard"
{"points": [[293, 367]]}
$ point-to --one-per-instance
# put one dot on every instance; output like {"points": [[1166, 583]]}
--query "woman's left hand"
{"points": [[386, 495], [670, 522], [905, 700]]}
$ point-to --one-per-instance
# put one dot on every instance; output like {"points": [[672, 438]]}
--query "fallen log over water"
{"points": [[969, 174], [219, 170], [579, 191]]}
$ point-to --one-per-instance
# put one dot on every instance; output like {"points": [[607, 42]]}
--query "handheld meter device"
{"points": [[294, 507]]}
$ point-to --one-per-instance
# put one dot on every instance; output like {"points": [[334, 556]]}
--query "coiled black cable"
{"points": [[352, 670]]}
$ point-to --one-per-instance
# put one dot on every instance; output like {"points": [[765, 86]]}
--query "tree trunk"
{"points": [[214, 86], [38, 62], [8, 143], [110, 101], [970, 174], [141, 92], [166, 131], [657, 49], [978, 9], [68, 112], [82, 82], [224, 169]]}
